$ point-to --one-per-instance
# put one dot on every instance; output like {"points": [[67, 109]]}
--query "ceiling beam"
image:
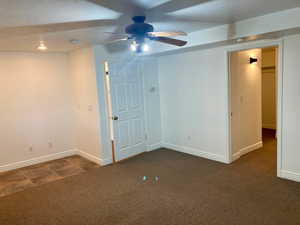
{"points": [[128, 7], [274, 25]]}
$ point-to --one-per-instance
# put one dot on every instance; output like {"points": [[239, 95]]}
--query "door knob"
{"points": [[115, 118]]}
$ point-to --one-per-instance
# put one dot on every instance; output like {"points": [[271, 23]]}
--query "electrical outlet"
{"points": [[30, 149], [50, 145], [189, 138], [90, 108]]}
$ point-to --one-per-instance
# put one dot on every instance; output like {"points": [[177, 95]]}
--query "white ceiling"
{"points": [[19, 17]]}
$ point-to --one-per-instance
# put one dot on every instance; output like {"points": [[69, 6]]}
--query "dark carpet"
{"points": [[189, 190]]}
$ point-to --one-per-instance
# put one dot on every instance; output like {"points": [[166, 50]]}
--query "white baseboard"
{"points": [[246, 150], [89, 157], [60, 155], [37, 160], [289, 175], [196, 152], [153, 147], [105, 162], [269, 126], [93, 158]]}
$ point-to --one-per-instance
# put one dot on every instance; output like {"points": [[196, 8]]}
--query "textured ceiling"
{"points": [[88, 20]]}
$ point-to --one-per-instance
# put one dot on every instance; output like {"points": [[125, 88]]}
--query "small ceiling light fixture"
{"points": [[253, 60], [145, 47], [139, 47], [134, 46], [42, 46]]}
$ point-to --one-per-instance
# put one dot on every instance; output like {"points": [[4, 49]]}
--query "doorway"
{"points": [[253, 100], [125, 102]]}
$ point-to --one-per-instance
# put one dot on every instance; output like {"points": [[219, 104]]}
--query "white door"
{"points": [[126, 85]]}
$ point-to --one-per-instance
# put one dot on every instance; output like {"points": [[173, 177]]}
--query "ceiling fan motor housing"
{"points": [[139, 28]]}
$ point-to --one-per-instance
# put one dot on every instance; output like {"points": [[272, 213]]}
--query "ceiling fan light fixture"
{"points": [[42, 46], [145, 47], [139, 32], [139, 47], [133, 46]]}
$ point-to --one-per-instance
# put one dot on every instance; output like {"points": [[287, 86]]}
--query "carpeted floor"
{"points": [[190, 190]]}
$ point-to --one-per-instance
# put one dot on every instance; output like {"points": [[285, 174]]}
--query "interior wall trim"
{"points": [[196, 152], [246, 150], [36, 160], [95, 159], [50, 157], [289, 175], [153, 147], [279, 43]]}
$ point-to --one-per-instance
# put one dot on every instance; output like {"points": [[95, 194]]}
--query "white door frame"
{"points": [[109, 106], [248, 46]]}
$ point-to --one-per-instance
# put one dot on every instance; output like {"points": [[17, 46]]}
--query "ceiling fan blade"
{"points": [[170, 41], [116, 40], [115, 37], [115, 33], [55, 27], [167, 34], [126, 8]]}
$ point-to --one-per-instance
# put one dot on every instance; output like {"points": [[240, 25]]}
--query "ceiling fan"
{"points": [[140, 31]]}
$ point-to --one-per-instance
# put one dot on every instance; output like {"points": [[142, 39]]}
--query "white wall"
{"points": [[194, 109], [193, 89], [246, 119], [35, 106], [152, 102], [85, 99], [269, 88], [291, 109]]}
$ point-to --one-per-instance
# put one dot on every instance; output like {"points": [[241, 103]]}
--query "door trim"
{"points": [[109, 108], [247, 46]]}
